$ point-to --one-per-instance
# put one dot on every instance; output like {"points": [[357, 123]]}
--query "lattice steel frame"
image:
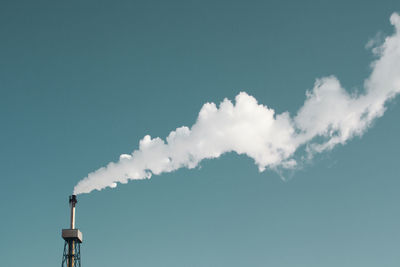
{"points": [[71, 259]]}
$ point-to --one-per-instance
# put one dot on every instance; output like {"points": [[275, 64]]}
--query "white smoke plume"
{"points": [[329, 116]]}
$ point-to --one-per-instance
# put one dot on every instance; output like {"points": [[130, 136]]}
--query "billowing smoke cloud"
{"points": [[329, 116]]}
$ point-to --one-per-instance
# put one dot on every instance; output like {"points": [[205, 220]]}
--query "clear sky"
{"points": [[82, 83]]}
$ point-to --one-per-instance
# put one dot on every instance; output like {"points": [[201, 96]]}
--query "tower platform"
{"points": [[72, 234]]}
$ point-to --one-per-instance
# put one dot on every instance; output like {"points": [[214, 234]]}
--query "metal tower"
{"points": [[73, 240]]}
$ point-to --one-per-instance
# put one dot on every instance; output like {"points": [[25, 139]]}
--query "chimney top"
{"points": [[72, 200]]}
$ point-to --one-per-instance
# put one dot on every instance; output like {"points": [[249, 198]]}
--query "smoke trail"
{"points": [[329, 116]]}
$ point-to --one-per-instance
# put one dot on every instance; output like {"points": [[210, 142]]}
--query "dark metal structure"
{"points": [[72, 254], [73, 239]]}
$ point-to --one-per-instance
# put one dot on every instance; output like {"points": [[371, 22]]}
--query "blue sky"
{"points": [[82, 83]]}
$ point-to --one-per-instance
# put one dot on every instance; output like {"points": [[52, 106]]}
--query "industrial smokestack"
{"points": [[72, 203], [73, 239]]}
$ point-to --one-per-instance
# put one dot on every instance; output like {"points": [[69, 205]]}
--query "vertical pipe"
{"points": [[72, 248], [71, 243], [73, 216], [70, 254]]}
